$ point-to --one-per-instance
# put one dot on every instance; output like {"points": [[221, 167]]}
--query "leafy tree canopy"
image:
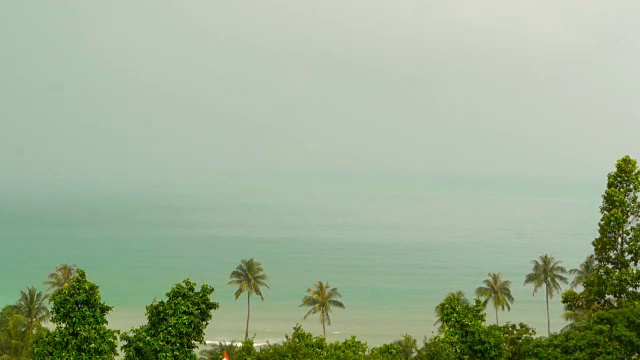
{"points": [[174, 327], [81, 325], [617, 247], [465, 333]]}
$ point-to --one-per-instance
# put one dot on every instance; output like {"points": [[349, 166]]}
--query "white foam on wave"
{"points": [[256, 343]]}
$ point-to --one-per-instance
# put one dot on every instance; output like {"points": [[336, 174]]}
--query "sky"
{"points": [[152, 91]]}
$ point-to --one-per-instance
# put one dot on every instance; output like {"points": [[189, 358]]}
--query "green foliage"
{"points": [[321, 299], [21, 324], [387, 351], [80, 317], [517, 339], [465, 335], [249, 277], [32, 305], [438, 348], [608, 334], [459, 295], [302, 345], [15, 340], [617, 248], [174, 327], [497, 291], [247, 351], [408, 346]]}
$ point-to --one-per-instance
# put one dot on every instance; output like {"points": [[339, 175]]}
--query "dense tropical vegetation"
{"points": [[602, 307]]}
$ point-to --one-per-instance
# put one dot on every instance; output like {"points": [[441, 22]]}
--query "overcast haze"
{"points": [[146, 90]]}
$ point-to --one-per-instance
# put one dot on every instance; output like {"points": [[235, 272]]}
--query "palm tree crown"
{"points": [[586, 269], [321, 298], [249, 276], [497, 291], [547, 272], [61, 276], [32, 305]]}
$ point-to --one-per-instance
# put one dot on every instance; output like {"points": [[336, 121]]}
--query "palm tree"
{"points": [[461, 298], [497, 291], [547, 271], [61, 276], [249, 276], [32, 305], [15, 341], [585, 270], [321, 298]]}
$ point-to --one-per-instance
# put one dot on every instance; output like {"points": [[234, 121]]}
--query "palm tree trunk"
{"points": [[246, 331], [497, 317], [323, 329], [548, 318]]}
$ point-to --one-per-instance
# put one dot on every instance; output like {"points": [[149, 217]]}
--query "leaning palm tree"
{"points": [[497, 291], [249, 276], [321, 298], [586, 269], [461, 298], [547, 271], [61, 276], [32, 305]]}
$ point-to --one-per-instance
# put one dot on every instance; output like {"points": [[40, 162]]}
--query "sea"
{"points": [[394, 246]]}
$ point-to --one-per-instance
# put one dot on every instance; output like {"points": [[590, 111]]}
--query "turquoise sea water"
{"points": [[393, 246]]}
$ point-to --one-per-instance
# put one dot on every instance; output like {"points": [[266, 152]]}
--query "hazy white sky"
{"points": [[189, 89]]}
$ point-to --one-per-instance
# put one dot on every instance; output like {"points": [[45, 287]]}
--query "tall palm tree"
{"points": [[547, 271], [457, 294], [321, 298], [586, 269], [249, 276], [61, 276], [32, 305], [497, 291]]}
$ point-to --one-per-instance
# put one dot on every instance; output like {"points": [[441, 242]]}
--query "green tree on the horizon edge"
{"points": [[322, 298], [547, 272], [497, 291], [249, 277], [61, 276]]}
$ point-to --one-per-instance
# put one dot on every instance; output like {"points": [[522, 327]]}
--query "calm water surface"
{"points": [[394, 246]]}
